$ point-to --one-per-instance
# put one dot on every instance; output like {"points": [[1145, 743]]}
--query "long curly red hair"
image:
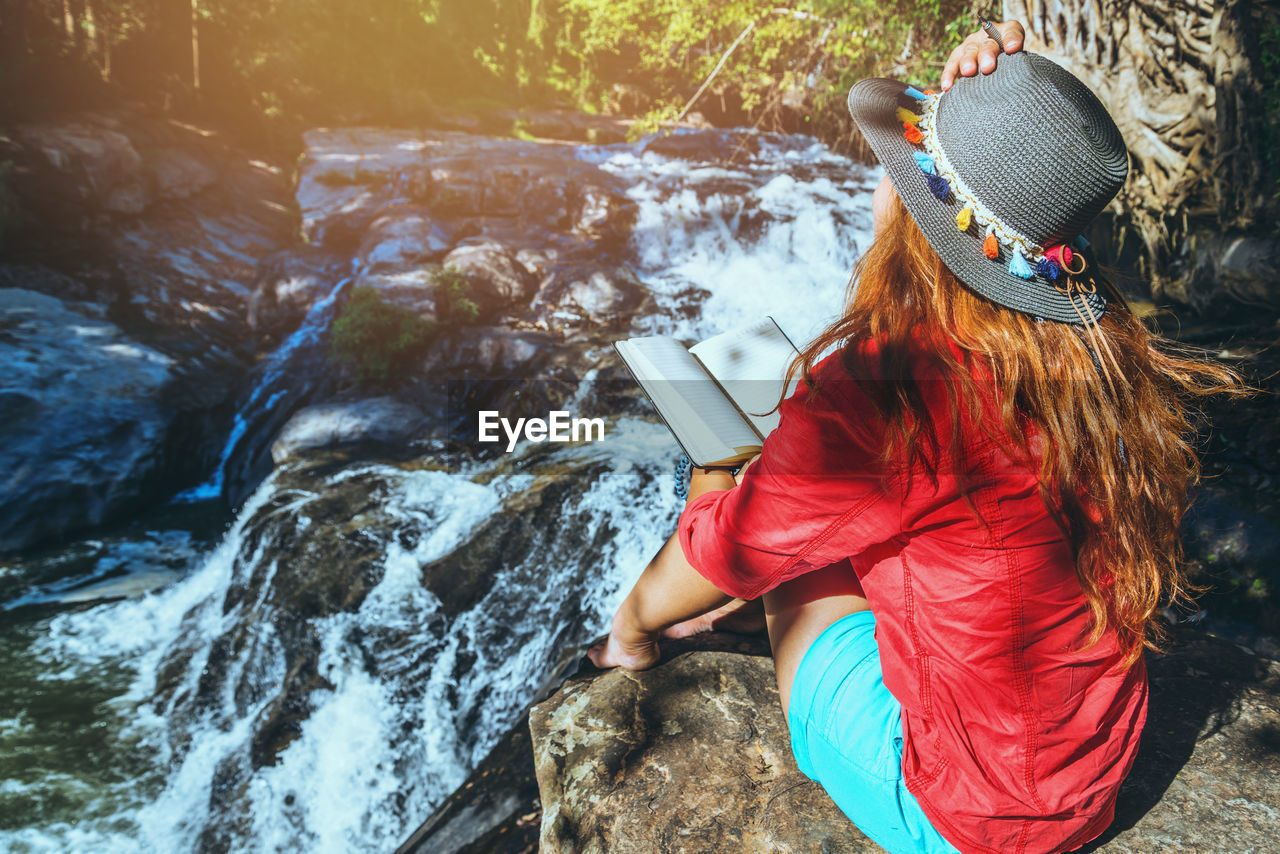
{"points": [[1118, 455]]}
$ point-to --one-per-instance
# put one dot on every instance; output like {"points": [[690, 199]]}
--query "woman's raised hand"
{"points": [[979, 51]]}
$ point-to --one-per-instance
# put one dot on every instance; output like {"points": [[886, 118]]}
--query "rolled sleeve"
{"points": [[816, 495]]}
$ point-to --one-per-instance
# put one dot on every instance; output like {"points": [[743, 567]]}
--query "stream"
{"points": [[319, 670]]}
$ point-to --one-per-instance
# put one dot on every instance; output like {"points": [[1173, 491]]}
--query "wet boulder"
{"points": [[607, 298], [708, 144], [68, 168], [288, 283], [404, 235], [413, 288], [380, 420], [84, 419], [496, 279]]}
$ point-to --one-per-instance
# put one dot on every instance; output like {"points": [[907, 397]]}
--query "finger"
{"points": [[987, 52], [952, 67], [1012, 34], [969, 62]]}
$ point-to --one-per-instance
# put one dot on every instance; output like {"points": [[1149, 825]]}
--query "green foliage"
{"points": [[520, 130], [453, 297], [377, 339], [291, 63], [380, 341], [795, 64]]}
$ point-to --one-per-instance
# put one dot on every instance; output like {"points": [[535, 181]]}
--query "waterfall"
{"points": [[153, 745], [277, 381]]}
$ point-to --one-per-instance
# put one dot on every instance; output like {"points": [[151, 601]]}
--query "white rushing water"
{"points": [[400, 729], [775, 236]]}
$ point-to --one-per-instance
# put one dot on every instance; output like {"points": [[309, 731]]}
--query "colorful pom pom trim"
{"points": [[1027, 258], [905, 115]]}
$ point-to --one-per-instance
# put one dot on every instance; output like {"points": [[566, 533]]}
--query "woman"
{"points": [[964, 526]]}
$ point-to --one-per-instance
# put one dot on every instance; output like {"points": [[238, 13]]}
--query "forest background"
{"points": [[1193, 84]]}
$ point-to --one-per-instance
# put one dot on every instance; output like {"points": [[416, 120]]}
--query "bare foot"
{"points": [[740, 616], [611, 652]]}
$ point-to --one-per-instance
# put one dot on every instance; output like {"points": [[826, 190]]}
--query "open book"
{"points": [[718, 397]]}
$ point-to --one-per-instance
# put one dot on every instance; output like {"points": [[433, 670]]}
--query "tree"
{"points": [[1185, 83]]}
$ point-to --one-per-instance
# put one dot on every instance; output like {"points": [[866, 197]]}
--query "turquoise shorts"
{"points": [[846, 734]]}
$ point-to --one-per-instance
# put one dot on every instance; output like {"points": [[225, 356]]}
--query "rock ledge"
{"points": [[693, 756]]}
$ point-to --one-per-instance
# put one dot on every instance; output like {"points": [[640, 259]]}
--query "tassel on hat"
{"points": [[990, 246], [1055, 258], [1048, 268], [938, 185], [1018, 265], [1060, 255]]}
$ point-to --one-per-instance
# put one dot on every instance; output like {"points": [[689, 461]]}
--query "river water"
{"points": [[106, 747]]}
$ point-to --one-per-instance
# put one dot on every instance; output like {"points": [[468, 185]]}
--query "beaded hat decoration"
{"points": [[1002, 173]]}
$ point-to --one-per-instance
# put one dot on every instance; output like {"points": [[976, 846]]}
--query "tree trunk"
{"points": [[15, 38], [1238, 156], [1180, 77], [195, 45]]}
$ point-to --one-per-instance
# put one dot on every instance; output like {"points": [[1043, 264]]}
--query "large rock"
{"points": [[709, 144], [497, 280], [402, 236], [158, 227], [392, 586], [380, 420], [288, 283], [693, 756], [583, 296], [82, 422], [79, 165]]}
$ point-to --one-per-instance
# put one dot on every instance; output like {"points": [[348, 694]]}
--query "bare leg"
{"points": [[799, 610], [669, 591]]}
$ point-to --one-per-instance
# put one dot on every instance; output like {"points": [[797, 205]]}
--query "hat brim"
{"points": [[873, 104]]}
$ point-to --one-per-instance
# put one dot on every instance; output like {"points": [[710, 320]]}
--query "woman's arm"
{"points": [[669, 591]]}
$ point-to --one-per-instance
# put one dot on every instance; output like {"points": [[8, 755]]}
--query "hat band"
{"points": [[984, 216], [1027, 256]]}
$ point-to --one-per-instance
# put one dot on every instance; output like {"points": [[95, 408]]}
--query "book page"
{"points": [[705, 422], [750, 364]]}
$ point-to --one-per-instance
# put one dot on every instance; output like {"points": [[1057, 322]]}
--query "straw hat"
{"points": [[1002, 172]]}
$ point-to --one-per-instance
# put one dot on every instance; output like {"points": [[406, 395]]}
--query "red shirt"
{"points": [[1013, 742]]}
